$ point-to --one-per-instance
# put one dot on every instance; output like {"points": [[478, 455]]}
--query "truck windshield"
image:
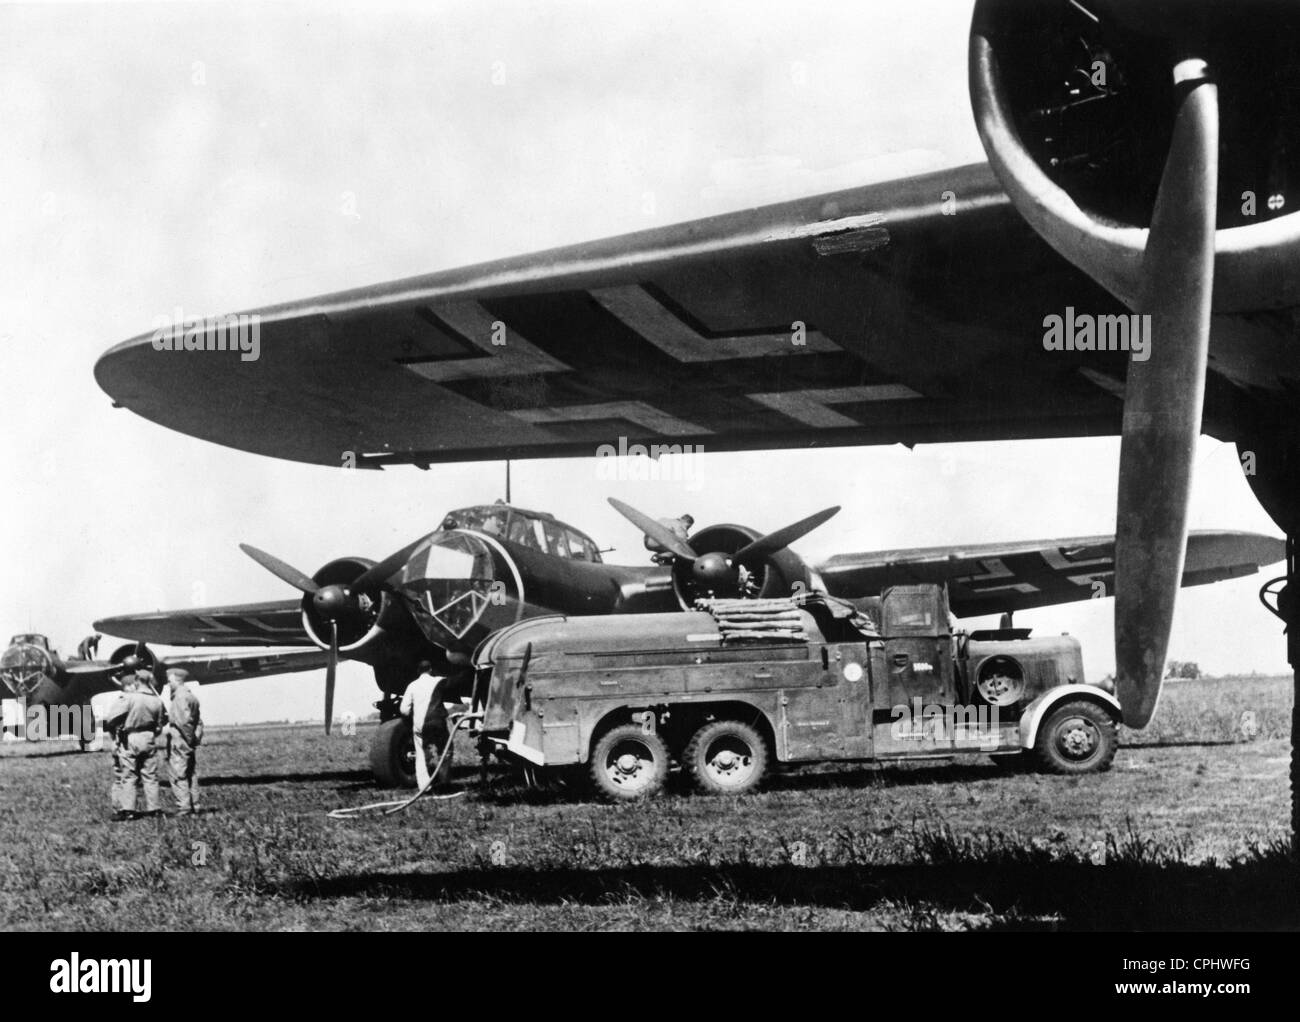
{"points": [[910, 613]]}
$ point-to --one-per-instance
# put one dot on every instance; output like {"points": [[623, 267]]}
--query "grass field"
{"points": [[1189, 829]]}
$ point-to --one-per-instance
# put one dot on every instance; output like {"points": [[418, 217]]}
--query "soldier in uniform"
{"points": [[124, 791], [123, 805], [136, 719], [184, 733], [679, 527]]}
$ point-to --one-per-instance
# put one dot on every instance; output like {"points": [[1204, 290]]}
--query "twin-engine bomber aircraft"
{"points": [[489, 566], [55, 692]]}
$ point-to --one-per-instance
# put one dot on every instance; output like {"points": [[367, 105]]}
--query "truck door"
{"points": [[918, 664], [823, 711]]}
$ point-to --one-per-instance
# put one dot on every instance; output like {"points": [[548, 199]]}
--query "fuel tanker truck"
{"points": [[735, 687]]}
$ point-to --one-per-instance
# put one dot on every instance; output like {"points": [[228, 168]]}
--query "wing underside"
{"points": [[209, 670], [999, 577], [864, 316]]}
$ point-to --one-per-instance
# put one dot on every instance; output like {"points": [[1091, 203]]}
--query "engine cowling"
{"points": [[778, 574], [362, 626], [1075, 107]]}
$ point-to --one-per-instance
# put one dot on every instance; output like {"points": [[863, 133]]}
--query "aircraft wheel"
{"points": [[628, 764], [1076, 738], [392, 756], [726, 757]]}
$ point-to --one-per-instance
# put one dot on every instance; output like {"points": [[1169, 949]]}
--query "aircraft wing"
{"points": [[994, 578], [877, 314], [208, 670], [277, 623], [98, 676]]}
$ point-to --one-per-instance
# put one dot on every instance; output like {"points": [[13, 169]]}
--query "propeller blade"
{"points": [[766, 546], [331, 669], [656, 530], [374, 577], [284, 572], [1162, 406]]}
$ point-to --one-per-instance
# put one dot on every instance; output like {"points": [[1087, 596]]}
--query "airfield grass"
{"points": [[1189, 829]]}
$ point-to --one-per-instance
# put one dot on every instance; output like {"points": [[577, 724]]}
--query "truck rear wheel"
{"points": [[628, 763], [1076, 738], [726, 757], [392, 756]]}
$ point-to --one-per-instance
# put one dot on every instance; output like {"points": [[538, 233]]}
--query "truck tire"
{"points": [[392, 756], [726, 757], [628, 763], [1076, 738]]}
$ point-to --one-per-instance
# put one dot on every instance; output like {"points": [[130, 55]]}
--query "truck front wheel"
{"points": [[1076, 738], [628, 763], [726, 757]]}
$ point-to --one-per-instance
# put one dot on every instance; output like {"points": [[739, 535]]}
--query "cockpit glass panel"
{"points": [[451, 579], [527, 532], [24, 664], [581, 548], [32, 639], [488, 518], [555, 540]]}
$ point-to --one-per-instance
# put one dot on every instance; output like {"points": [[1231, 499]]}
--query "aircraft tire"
{"points": [[726, 757], [628, 764], [1077, 737], [392, 757]]}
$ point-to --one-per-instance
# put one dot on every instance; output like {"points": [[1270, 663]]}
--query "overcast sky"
{"points": [[221, 157]]}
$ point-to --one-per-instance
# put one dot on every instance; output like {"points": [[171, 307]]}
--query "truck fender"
{"points": [[1049, 700]]}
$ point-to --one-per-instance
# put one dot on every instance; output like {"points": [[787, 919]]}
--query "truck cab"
{"points": [[733, 687]]}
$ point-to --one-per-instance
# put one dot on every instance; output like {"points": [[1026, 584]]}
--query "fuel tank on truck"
{"points": [[641, 654]]}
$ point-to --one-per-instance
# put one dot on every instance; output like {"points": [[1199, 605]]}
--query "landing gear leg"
{"points": [[389, 707], [1290, 610], [1286, 606]]}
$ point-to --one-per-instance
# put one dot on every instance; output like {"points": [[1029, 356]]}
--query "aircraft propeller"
{"points": [[334, 601], [713, 570], [655, 529], [331, 672], [1167, 275], [1162, 406]]}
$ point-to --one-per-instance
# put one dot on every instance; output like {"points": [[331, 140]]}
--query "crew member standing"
{"points": [[122, 791], [679, 527], [137, 718], [184, 733], [422, 702], [125, 790]]}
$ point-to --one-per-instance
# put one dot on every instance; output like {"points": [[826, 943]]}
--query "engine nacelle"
{"points": [[1075, 109], [779, 575], [361, 631]]}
